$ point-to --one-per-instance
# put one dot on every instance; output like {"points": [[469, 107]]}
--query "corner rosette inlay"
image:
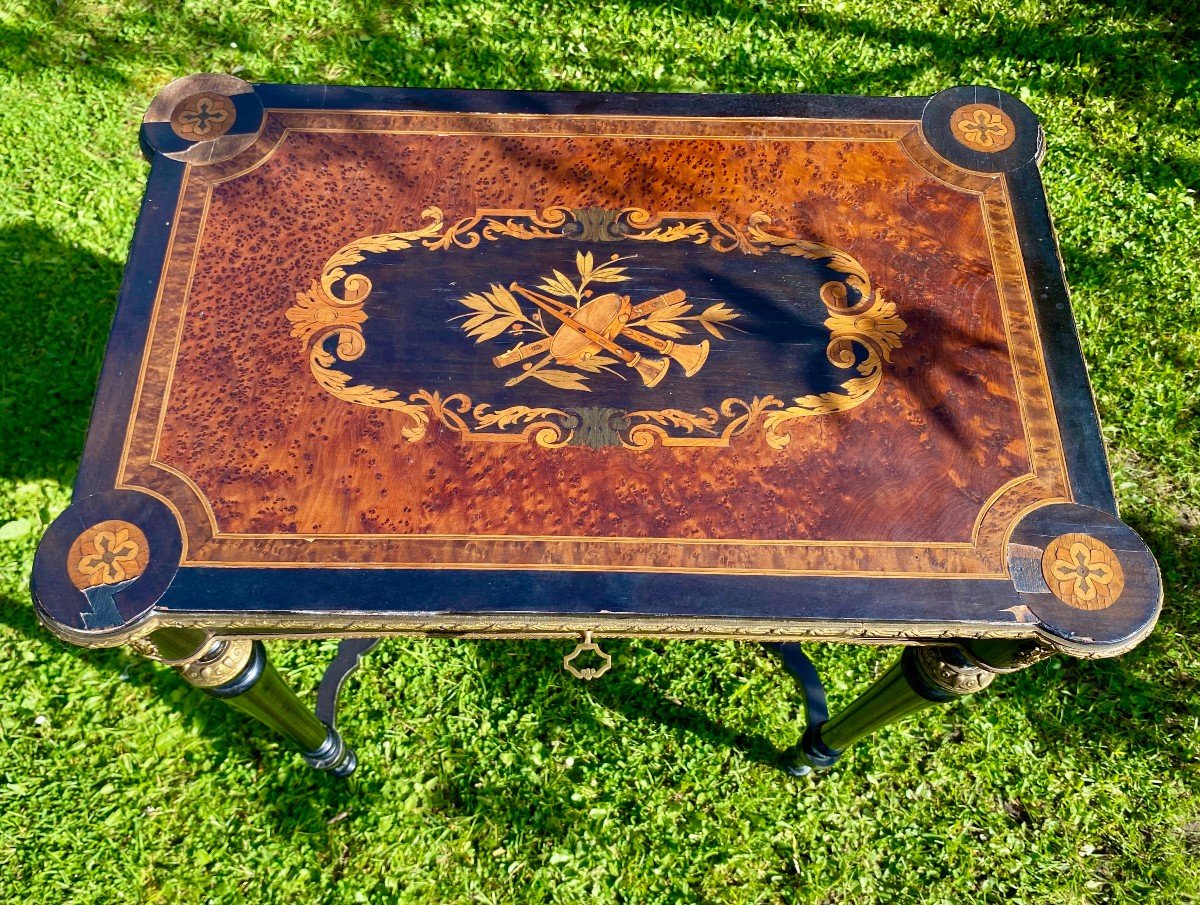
{"points": [[983, 127], [108, 553], [203, 117], [1083, 572]]}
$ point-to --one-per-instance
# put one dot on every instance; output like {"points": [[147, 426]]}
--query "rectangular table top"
{"points": [[514, 363]]}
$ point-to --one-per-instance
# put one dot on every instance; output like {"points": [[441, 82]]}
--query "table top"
{"points": [[506, 363]]}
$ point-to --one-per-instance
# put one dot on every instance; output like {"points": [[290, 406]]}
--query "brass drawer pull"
{"points": [[587, 673]]}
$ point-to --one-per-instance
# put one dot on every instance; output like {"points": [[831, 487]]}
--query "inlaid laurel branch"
{"points": [[332, 308], [585, 333]]}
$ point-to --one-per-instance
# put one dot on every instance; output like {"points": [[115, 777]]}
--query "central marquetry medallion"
{"points": [[596, 327]]}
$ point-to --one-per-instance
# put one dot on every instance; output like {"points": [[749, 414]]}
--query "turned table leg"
{"points": [[238, 671], [920, 678]]}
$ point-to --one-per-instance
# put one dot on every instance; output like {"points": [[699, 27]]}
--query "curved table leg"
{"points": [[349, 654], [816, 711]]}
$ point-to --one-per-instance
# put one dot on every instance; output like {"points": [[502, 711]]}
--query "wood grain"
{"points": [[258, 460], [109, 552]]}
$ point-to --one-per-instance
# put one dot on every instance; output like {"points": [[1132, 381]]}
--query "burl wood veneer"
{"points": [[502, 362]]}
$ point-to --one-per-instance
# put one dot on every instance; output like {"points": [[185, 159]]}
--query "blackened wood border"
{"points": [[515, 602]]}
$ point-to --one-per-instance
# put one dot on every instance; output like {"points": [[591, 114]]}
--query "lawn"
{"points": [[488, 774]]}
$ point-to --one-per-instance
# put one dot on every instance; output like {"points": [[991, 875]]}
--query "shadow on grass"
{"points": [[56, 306], [1110, 698], [56, 303], [1136, 60], [1136, 68], [210, 718], [109, 46], [1110, 702], [620, 692]]}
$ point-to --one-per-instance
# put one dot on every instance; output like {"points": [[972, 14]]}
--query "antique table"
{"points": [[513, 365]]}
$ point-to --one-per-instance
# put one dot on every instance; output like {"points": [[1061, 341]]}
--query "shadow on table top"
{"points": [[57, 300], [57, 303]]}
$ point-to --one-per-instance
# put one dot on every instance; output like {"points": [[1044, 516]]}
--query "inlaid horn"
{"points": [[690, 357], [653, 370]]}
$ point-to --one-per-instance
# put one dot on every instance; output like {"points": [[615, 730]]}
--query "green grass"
{"points": [[488, 774]]}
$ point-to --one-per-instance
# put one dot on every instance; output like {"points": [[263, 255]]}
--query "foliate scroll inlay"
{"points": [[576, 326]]}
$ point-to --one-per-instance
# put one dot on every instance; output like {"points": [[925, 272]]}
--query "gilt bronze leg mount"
{"points": [[237, 671]]}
